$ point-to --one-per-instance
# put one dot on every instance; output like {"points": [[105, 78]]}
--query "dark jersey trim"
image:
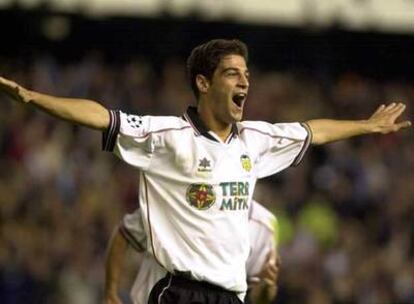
{"points": [[110, 134], [200, 128], [306, 145], [195, 121], [130, 238]]}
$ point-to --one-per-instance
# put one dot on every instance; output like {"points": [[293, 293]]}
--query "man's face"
{"points": [[228, 89]]}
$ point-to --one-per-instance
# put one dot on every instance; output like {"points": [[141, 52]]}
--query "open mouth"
{"points": [[239, 98]]}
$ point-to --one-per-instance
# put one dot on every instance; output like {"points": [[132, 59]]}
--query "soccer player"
{"points": [[198, 171], [262, 265]]}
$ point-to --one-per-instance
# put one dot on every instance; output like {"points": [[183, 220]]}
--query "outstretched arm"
{"points": [[80, 111], [384, 120], [116, 251]]}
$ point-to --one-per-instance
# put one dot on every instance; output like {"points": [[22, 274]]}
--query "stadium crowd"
{"points": [[346, 213]]}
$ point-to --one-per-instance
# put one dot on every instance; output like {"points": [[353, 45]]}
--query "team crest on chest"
{"points": [[246, 163], [201, 196]]}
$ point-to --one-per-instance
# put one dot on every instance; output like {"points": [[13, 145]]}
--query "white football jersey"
{"points": [[263, 236], [195, 190]]}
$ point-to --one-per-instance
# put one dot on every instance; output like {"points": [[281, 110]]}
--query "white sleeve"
{"points": [[277, 146], [132, 229], [130, 138]]}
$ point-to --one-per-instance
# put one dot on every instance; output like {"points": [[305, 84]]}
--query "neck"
{"points": [[214, 124]]}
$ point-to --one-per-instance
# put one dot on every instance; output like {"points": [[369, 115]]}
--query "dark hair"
{"points": [[205, 58]]}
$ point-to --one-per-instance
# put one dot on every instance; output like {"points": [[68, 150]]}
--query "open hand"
{"points": [[13, 90], [384, 118]]}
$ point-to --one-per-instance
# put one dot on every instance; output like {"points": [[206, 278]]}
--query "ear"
{"points": [[202, 83]]}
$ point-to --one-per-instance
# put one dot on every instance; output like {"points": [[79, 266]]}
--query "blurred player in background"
{"points": [[262, 265], [198, 172]]}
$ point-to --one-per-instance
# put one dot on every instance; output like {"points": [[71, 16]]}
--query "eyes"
{"points": [[237, 74]]}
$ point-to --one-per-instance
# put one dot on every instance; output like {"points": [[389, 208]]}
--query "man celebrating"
{"points": [[198, 171]]}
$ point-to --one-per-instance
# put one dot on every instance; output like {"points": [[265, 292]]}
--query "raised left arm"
{"points": [[382, 121]]}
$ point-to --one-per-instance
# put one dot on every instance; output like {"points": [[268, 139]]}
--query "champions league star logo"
{"points": [[201, 196], [246, 163], [134, 121]]}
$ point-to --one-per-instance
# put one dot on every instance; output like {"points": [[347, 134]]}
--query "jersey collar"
{"points": [[200, 128]]}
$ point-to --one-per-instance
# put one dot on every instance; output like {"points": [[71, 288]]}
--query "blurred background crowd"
{"points": [[346, 213]]}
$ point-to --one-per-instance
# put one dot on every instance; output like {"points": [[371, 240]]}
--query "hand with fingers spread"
{"points": [[84, 112], [14, 90], [384, 119]]}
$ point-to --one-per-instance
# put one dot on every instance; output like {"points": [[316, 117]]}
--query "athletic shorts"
{"points": [[174, 289]]}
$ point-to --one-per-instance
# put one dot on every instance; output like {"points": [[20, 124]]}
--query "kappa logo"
{"points": [[134, 121], [201, 196], [246, 163], [204, 165]]}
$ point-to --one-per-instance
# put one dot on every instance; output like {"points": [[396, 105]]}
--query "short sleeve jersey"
{"points": [[195, 190]]}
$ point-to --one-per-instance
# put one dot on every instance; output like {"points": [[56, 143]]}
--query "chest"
{"points": [[206, 159], [208, 171]]}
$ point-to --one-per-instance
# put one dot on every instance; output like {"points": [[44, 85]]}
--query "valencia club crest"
{"points": [[246, 163]]}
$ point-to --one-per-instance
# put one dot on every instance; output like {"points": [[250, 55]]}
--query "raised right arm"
{"points": [[85, 112]]}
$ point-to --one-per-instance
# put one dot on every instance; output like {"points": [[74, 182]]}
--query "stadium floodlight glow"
{"points": [[382, 15]]}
